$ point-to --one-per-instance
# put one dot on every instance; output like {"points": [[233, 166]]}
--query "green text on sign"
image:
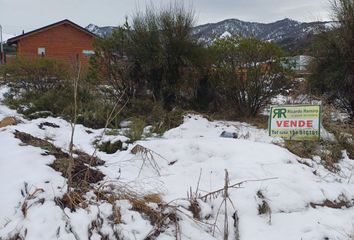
{"points": [[295, 122]]}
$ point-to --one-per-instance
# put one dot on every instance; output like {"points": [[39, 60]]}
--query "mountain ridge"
{"points": [[286, 32]]}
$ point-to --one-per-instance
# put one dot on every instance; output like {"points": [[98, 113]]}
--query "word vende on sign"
{"points": [[295, 122]]}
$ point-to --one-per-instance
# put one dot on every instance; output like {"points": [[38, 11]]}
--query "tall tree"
{"points": [[344, 13], [113, 63], [156, 56], [163, 46], [333, 71]]}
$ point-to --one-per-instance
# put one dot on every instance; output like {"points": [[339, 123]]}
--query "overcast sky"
{"points": [[18, 15]]}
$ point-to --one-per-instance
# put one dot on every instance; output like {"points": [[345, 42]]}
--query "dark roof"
{"points": [[65, 21]]}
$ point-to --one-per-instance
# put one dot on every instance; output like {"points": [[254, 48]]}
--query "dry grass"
{"points": [[72, 200], [259, 121], [153, 198], [264, 208], [344, 134], [140, 203], [194, 208], [28, 197], [222, 115], [330, 152], [28, 139], [142, 206], [341, 202], [17, 236], [304, 149], [96, 226], [150, 206], [204, 115], [7, 121], [148, 156], [116, 215]]}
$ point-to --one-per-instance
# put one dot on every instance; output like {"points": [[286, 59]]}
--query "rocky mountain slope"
{"points": [[100, 31], [287, 32]]}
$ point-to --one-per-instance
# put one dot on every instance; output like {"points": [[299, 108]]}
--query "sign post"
{"points": [[295, 122]]}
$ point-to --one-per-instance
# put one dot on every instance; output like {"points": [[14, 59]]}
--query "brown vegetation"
{"points": [[341, 202], [7, 121], [83, 161]]}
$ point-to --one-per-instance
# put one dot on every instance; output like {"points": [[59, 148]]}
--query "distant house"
{"points": [[62, 40], [299, 63]]}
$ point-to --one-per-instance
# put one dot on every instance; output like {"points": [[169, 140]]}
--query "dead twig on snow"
{"points": [[147, 155]]}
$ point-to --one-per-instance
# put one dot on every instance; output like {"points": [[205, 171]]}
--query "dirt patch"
{"points": [[88, 159], [50, 149], [82, 174], [47, 124], [83, 171], [341, 202]]}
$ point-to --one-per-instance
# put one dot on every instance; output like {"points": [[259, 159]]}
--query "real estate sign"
{"points": [[295, 122]]}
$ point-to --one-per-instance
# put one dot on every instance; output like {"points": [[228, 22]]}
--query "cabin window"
{"points": [[88, 53], [41, 51]]}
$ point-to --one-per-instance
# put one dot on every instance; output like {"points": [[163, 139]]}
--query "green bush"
{"points": [[37, 74], [136, 129], [49, 89], [247, 73], [166, 120], [155, 57], [111, 147], [333, 67], [54, 100]]}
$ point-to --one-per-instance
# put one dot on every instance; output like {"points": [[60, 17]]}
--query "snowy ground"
{"points": [[289, 186]]}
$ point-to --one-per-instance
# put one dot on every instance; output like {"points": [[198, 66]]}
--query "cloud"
{"points": [[261, 10]]}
